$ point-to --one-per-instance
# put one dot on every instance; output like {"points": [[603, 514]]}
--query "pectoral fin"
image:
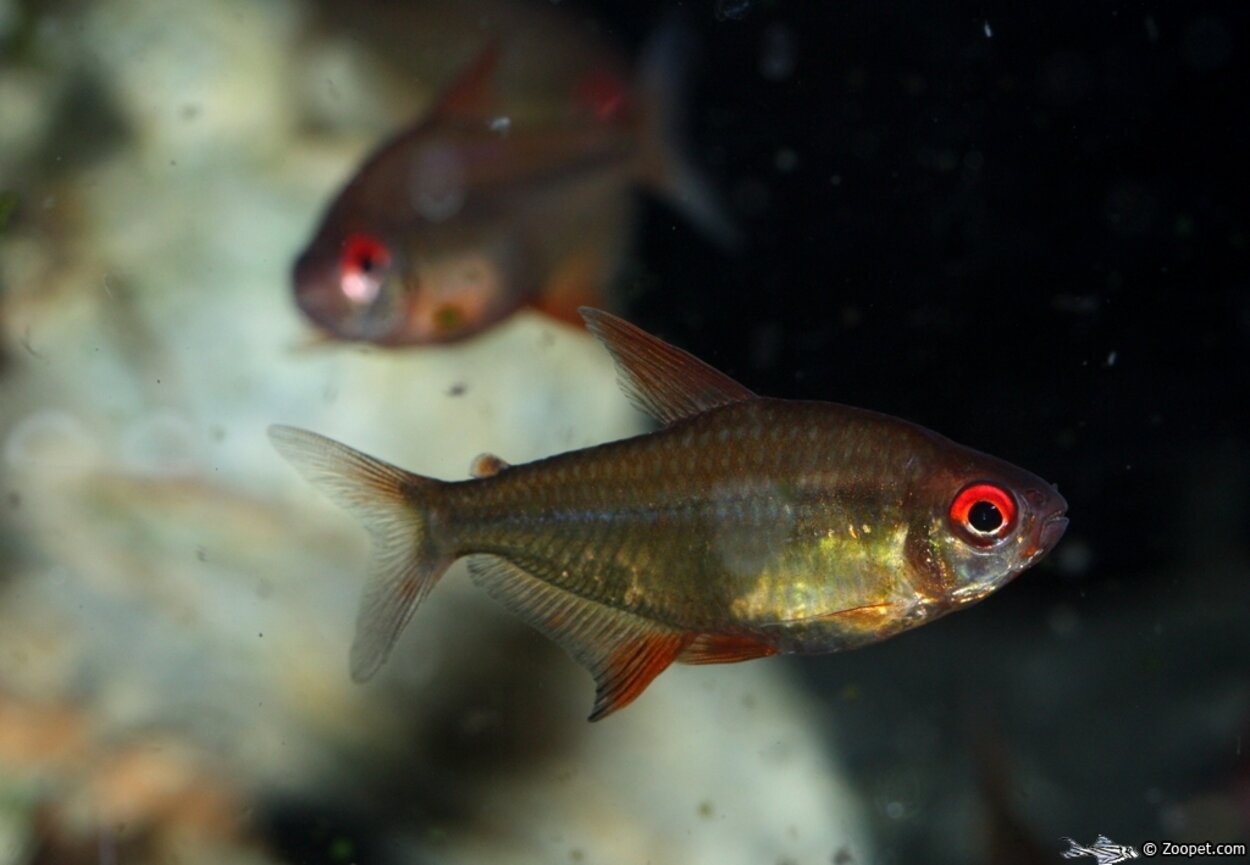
{"points": [[578, 279], [623, 652]]}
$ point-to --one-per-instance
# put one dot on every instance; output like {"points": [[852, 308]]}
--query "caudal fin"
{"points": [[394, 505], [665, 144]]}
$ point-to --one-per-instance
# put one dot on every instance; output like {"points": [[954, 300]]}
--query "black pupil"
{"points": [[985, 517], [365, 262]]}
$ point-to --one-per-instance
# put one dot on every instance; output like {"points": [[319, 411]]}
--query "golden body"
{"points": [[783, 521]]}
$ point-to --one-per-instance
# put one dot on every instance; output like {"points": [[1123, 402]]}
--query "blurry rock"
{"points": [[88, 798]]}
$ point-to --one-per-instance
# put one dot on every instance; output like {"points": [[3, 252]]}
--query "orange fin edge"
{"points": [[628, 671], [724, 649]]}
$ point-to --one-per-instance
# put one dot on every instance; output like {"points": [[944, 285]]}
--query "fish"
{"points": [[742, 527], [470, 213], [1104, 850]]}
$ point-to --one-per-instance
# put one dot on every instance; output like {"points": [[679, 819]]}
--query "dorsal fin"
{"points": [[667, 383], [487, 466], [469, 94]]}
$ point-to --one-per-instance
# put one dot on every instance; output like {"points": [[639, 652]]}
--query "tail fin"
{"points": [[394, 506], [662, 77]]}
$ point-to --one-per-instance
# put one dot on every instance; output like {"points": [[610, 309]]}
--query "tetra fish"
{"points": [[744, 527], [467, 216]]}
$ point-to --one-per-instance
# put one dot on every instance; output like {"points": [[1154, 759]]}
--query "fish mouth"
{"points": [[1051, 530], [1050, 520]]}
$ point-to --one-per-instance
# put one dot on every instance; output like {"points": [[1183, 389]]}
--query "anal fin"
{"points": [[623, 651], [724, 649]]}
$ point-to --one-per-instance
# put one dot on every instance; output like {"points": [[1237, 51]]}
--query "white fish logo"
{"points": [[1104, 850]]}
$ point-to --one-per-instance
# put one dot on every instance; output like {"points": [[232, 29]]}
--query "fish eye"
{"points": [[362, 267], [983, 513], [371, 282]]}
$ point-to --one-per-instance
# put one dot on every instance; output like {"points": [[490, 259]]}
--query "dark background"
{"points": [[1028, 231]]}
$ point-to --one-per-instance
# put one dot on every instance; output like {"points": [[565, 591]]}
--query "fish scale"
{"points": [[670, 522], [744, 527]]}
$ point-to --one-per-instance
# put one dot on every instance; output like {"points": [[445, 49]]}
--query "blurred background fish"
{"points": [[479, 208]]}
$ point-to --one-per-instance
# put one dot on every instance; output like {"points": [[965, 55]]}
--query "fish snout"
{"points": [[316, 291], [1050, 510], [352, 302]]}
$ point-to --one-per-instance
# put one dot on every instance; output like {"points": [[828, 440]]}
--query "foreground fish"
{"points": [[466, 216], [745, 527]]}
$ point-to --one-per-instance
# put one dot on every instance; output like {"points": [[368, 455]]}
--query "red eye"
{"points": [[983, 513], [361, 267]]}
